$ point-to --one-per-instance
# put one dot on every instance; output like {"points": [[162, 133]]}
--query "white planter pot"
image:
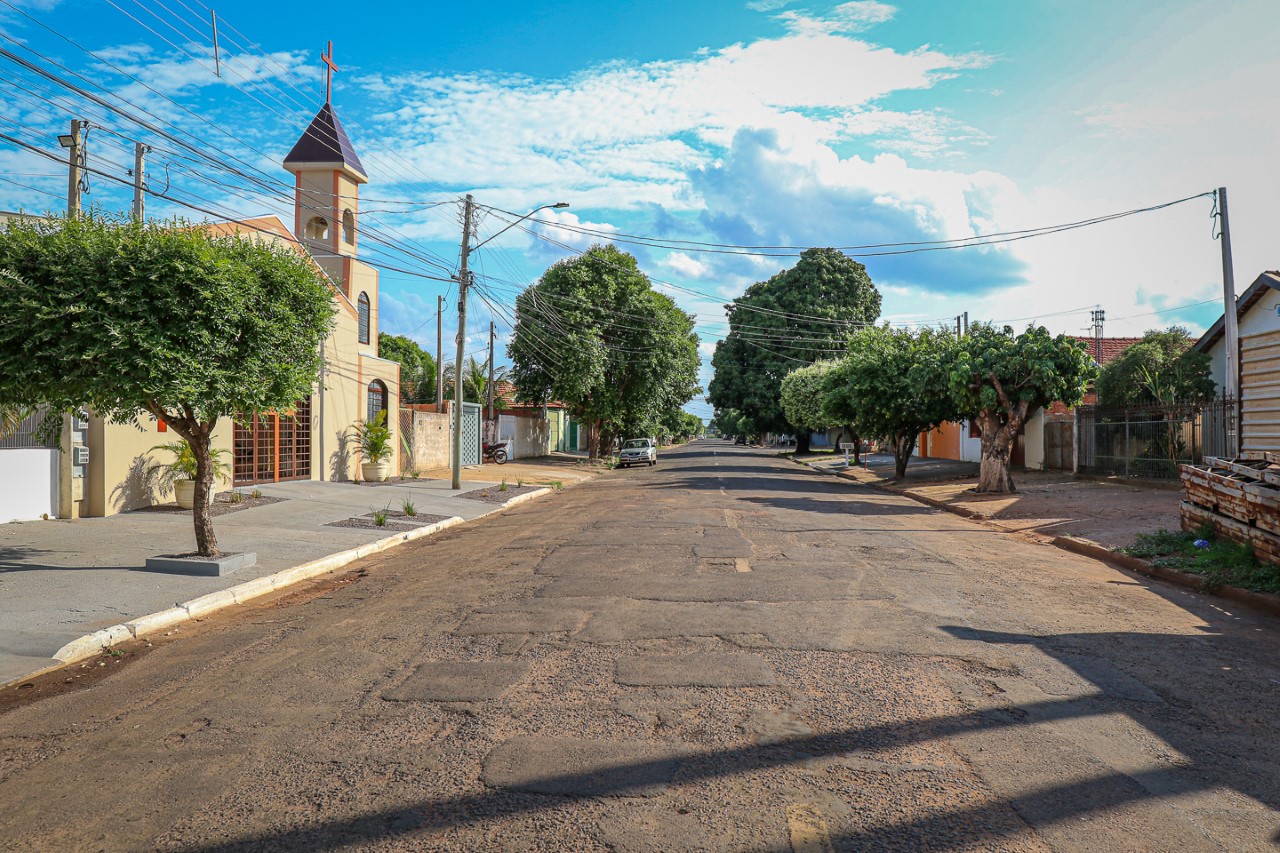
{"points": [[376, 472], [184, 491]]}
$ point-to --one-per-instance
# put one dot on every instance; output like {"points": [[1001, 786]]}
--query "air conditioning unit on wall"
{"points": [[80, 455]]}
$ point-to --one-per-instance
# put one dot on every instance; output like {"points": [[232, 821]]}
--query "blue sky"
{"points": [[763, 122]]}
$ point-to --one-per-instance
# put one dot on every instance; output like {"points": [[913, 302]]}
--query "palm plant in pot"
{"points": [[374, 439], [179, 476]]}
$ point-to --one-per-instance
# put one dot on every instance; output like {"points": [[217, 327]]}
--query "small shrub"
{"points": [[380, 518], [408, 508], [255, 494], [503, 486], [415, 474], [235, 497], [519, 483]]}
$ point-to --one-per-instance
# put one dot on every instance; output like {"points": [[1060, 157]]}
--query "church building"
{"points": [[108, 468]]}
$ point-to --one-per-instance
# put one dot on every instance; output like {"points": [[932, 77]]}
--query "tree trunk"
{"points": [[593, 440], [997, 448], [802, 443], [206, 539], [903, 445], [855, 441]]}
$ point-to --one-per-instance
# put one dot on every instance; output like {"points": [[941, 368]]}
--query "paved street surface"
{"points": [[726, 652]]}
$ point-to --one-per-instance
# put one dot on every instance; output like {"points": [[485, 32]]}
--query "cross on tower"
{"points": [[328, 75]]}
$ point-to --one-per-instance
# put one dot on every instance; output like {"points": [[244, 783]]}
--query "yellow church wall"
{"points": [[347, 192], [120, 474]]}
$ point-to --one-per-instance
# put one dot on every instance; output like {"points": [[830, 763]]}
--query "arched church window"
{"points": [[317, 228], [348, 226], [363, 306], [377, 399]]}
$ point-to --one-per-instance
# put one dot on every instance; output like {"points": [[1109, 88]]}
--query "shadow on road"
{"points": [[1213, 747]]}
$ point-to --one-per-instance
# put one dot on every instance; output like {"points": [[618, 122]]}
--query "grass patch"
{"points": [[1221, 562]]}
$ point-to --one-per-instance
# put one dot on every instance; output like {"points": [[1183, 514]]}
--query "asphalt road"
{"points": [[726, 652]]}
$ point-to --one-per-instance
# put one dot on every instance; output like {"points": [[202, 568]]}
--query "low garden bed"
{"points": [[1217, 561], [498, 494], [223, 503]]}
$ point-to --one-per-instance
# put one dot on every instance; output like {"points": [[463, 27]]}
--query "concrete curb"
{"points": [[92, 644], [1266, 602]]}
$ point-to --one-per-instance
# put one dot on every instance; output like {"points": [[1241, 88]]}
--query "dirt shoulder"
{"points": [[1048, 503]]}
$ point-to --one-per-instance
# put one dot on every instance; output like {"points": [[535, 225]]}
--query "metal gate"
{"points": [[470, 433], [272, 446], [1058, 445]]}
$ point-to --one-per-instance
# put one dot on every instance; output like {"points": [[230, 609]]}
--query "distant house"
{"points": [[1258, 319], [1045, 440], [533, 429]]}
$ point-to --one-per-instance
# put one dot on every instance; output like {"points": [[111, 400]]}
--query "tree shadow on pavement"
{"points": [[1217, 759]]}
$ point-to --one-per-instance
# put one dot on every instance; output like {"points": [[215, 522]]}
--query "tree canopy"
{"points": [[417, 367], [802, 396], [165, 318], [797, 317], [594, 334], [1000, 379], [893, 383], [1163, 367]]}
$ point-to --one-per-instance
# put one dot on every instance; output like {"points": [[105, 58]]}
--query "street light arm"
{"points": [[559, 204]]}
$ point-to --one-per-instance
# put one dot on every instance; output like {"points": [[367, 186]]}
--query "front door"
{"points": [[273, 446]]}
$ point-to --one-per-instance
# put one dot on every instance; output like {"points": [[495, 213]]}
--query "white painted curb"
{"points": [[528, 496], [92, 644]]}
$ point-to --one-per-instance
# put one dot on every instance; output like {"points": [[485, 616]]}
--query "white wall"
{"points": [[1263, 317], [1033, 441], [970, 448], [28, 484], [532, 438]]}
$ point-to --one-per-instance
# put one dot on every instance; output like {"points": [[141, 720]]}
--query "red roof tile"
{"points": [[1111, 347]]}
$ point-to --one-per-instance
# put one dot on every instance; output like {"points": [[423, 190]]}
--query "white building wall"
{"points": [[970, 448], [1033, 441], [28, 484]]}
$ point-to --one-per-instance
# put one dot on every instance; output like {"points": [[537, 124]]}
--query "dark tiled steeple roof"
{"points": [[325, 142]]}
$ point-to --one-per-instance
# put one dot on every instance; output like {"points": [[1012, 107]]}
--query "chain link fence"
{"points": [[1150, 442]]}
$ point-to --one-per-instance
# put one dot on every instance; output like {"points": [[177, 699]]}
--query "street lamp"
{"points": [[464, 281]]}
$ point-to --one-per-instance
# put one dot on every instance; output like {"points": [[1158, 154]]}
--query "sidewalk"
{"points": [[61, 580], [1048, 503]]}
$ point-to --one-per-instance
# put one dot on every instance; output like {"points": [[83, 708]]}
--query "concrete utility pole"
{"points": [[1098, 316], [75, 164], [439, 353], [489, 385], [468, 208], [139, 181], [1232, 389], [464, 281], [966, 323]]}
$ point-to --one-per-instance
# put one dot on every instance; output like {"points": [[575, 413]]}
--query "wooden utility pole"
{"points": [[489, 385], [464, 281], [440, 353], [75, 166], [139, 182]]}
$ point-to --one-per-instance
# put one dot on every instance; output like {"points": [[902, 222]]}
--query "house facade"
{"points": [[1258, 371], [107, 468]]}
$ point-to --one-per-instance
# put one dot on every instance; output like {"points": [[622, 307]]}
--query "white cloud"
{"points": [[846, 18], [683, 265]]}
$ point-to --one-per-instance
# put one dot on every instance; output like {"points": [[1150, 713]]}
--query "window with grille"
{"points": [[377, 399], [364, 318]]}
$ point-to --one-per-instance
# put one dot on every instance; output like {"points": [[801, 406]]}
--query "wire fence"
{"points": [[1150, 442]]}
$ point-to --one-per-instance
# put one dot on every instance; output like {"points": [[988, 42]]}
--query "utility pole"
{"points": [[139, 182], [75, 164], [1229, 301], [1098, 316], [464, 281], [440, 352], [489, 385], [966, 323], [957, 325]]}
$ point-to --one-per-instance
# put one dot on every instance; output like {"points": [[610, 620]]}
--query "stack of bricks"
{"points": [[1239, 498]]}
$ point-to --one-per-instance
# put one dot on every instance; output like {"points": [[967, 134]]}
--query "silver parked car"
{"points": [[638, 451]]}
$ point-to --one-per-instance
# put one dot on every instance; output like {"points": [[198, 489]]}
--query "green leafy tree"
{"points": [[894, 383], [1000, 379], [595, 334], [159, 318], [1163, 368], [417, 367], [799, 316]]}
